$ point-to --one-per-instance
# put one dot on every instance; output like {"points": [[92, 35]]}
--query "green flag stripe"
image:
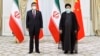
{"points": [[58, 4], [16, 1]]}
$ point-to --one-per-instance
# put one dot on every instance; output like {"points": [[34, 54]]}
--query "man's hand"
{"points": [[75, 31], [41, 28], [27, 29], [60, 31]]}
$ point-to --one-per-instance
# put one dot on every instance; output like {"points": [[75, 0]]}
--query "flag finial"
{"points": [[76, 0]]}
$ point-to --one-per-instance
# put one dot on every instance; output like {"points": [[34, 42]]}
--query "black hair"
{"points": [[33, 3], [67, 4]]}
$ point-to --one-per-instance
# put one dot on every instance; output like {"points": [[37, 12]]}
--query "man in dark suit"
{"points": [[34, 24], [68, 29]]}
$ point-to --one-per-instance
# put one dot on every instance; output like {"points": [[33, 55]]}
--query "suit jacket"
{"points": [[34, 22]]}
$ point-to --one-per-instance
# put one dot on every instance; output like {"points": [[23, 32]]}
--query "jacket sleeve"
{"points": [[27, 20], [76, 25], [41, 21], [61, 22]]}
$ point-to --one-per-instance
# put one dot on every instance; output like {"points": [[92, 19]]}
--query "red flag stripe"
{"points": [[16, 30], [54, 31]]}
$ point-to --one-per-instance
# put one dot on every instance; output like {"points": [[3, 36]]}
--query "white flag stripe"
{"points": [[17, 20], [56, 20]]}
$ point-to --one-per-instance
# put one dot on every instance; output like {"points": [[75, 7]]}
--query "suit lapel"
{"points": [[31, 13], [36, 13]]}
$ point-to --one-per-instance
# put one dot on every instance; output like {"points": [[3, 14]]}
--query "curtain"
{"points": [[0, 16], [95, 16], [71, 2], [22, 7]]}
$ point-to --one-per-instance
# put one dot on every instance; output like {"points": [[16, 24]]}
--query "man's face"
{"points": [[68, 7], [34, 6]]}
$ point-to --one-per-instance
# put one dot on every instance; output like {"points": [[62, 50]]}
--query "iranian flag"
{"points": [[37, 7], [15, 22], [54, 20]]}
